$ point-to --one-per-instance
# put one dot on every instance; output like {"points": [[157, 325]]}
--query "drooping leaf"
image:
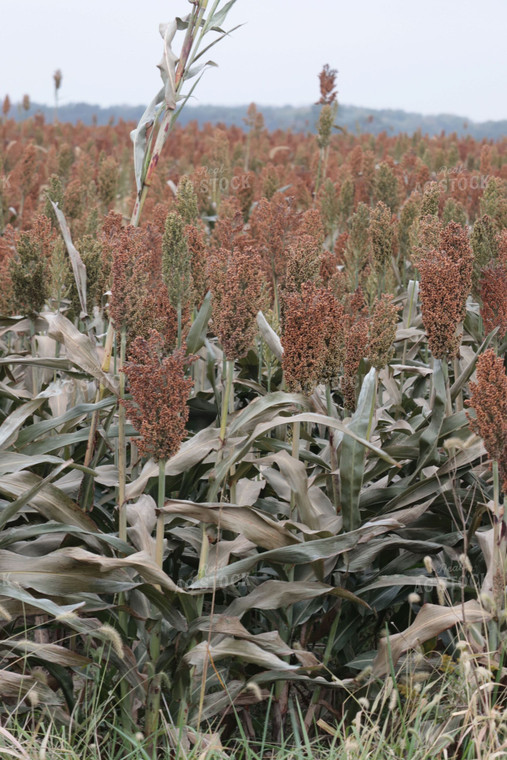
{"points": [[245, 651], [139, 136], [271, 595], [48, 652], [252, 523], [79, 347], [167, 65], [78, 266], [269, 336], [353, 453], [431, 620]]}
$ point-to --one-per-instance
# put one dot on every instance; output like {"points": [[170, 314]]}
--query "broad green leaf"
{"points": [[197, 333], [76, 413], [298, 554], [295, 475], [319, 419], [428, 439], [49, 500], [11, 461], [217, 19], [62, 573], [11, 426], [261, 409], [272, 595], [191, 453], [353, 453], [424, 581], [12, 509], [9, 591]]}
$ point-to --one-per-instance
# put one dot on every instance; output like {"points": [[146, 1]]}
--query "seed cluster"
{"points": [[489, 400], [160, 391]]}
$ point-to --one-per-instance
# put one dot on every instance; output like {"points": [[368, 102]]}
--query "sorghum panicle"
{"points": [[455, 243], [176, 268], [303, 262], [160, 392], [382, 331], [441, 294], [186, 201], [198, 250], [238, 293], [494, 298], [304, 330], [382, 232], [489, 399], [327, 84]]}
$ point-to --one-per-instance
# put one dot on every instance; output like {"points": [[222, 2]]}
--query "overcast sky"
{"points": [[431, 56]]}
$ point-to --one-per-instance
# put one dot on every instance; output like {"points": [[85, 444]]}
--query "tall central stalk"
{"points": [[122, 443], [332, 452], [296, 437], [153, 700]]}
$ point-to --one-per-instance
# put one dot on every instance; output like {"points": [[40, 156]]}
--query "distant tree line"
{"points": [[300, 119]]}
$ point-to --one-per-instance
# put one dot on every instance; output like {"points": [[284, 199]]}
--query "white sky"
{"points": [[431, 56]]}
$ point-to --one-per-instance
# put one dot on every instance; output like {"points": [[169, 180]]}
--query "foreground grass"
{"points": [[447, 717]]}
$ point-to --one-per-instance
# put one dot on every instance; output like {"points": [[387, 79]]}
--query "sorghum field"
{"points": [[253, 438]]}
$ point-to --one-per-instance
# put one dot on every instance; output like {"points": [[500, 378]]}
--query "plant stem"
{"points": [[448, 400], [159, 542], [296, 436], [88, 481], [332, 452], [498, 553], [459, 397], [154, 688], [226, 393], [122, 443], [179, 326]]}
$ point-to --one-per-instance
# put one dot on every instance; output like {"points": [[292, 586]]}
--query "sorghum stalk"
{"points": [[90, 446], [332, 451], [448, 400], [122, 443], [195, 22], [159, 542], [459, 397], [498, 554], [296, 438], [153, 700], [226, 393]]}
